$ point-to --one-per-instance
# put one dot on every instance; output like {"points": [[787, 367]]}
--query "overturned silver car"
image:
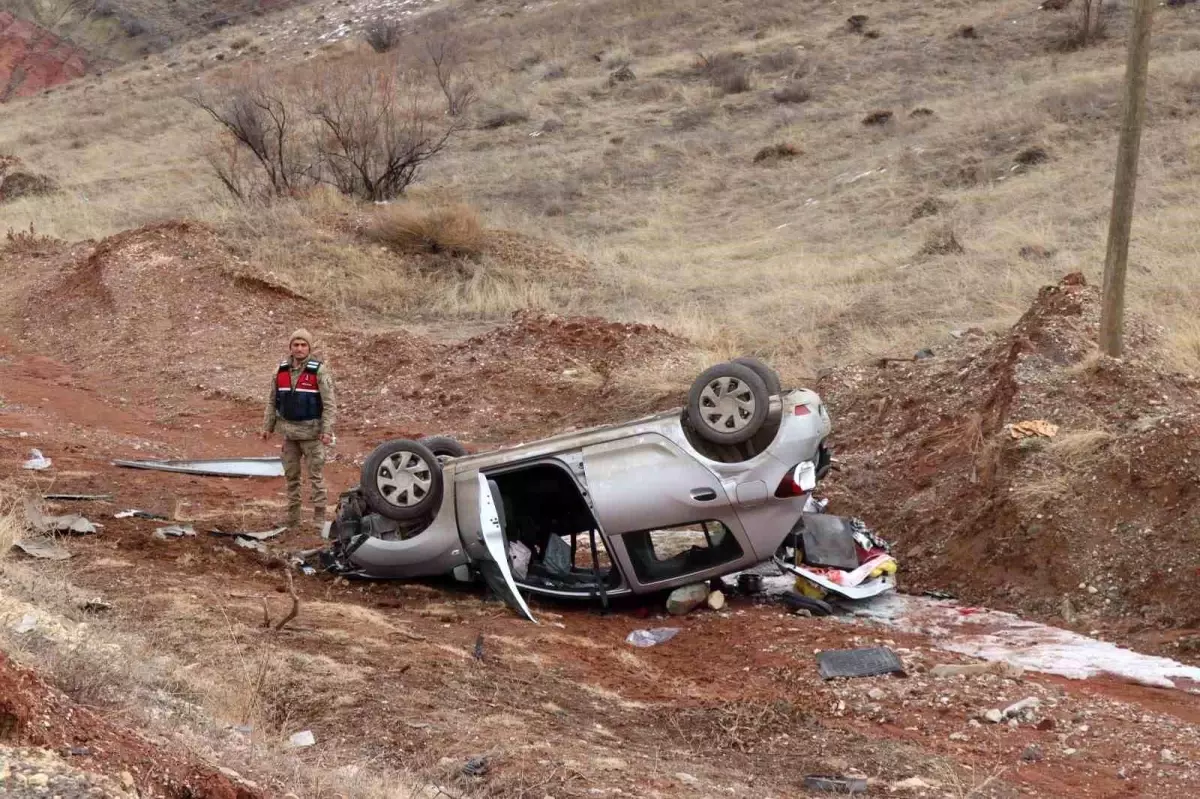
{"points": [[681, 497]]}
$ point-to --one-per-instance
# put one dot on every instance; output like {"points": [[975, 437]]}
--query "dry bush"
{"points": [[447, 61], [930, 206], [773, 153], [779, 60], [12, 522], [941, 241], [15, 185], [1036, 492], [383, 34], [1088, 28], [1079, 449], [727, 72], [364, 126], [412, 227], [793, 92], [502, 118]]}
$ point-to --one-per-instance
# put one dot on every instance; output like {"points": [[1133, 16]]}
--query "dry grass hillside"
{"points": [[763, 176]]}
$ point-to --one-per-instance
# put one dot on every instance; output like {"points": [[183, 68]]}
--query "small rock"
{"points": [[877, 694], [1069, 751], [1091, 589], [1033, 754], [38, 780], [716, 600], [959, 736], [1017, 708], [993, 716], [974, 723], [911, 784], [1167, 756], [683, 600], [685, 778], [126, 780]]}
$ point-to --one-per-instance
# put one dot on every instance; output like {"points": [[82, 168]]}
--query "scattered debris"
{"points": [[1023, 709], [266, 535], [851, 785], [938, 594], [1037, 427], [219, 467], [71, 523], [301, 740], [993, 716], [750, 583], [96, 605], [658, 635], [250, 543], [923, 355], [685, 598], [77, 497], [37, 461], [867, 662], [1033, 754], [912, 784], [476, 766], [43, 548], [26, 624], [806, 605], [1001, 668], [140, 514], [478, 652], [174, 531]]}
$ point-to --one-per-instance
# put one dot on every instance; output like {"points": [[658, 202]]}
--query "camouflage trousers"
{"points": [[313, 451]]}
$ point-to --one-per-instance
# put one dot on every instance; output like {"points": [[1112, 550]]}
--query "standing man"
{"points": [[302, 407]]}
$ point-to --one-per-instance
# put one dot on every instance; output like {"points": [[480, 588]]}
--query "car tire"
{"points": [[444, 447], [402, 480], [727, 403], [769, 376]]}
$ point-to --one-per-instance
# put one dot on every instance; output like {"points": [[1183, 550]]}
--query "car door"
{"points": [[644, 487]]}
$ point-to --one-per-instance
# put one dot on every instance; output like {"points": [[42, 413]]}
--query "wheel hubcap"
{"points": [[403, 479], [727, 405]]}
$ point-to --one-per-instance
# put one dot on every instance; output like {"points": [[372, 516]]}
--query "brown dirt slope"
{"points": [[1099, 520], [33, 713], [169, 308], [33, 59]]}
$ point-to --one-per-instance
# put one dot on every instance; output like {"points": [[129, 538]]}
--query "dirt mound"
{"points": [[33, 59], [1094, 522], [33, 713], [533, 256], [538, 374], [167, 304]]}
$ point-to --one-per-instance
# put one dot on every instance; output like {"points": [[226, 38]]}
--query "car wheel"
{"points": [[402, 480], [444, 447], [727, 404], [769, 376]]}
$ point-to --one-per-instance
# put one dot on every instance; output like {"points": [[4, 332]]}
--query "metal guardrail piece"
{"points": [[218, 467]]}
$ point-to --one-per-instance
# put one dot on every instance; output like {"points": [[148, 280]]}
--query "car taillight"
{"points": [[802, 410], [798, 482]]}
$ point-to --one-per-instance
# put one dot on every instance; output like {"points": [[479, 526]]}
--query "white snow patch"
{"points": [[1003, 636]]}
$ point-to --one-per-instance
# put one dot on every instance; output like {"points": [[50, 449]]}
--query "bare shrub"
{"points": [[446, 60], [793, 92], [383, 34], [363, 125], [16, 185], [927, 207], [411, 227], [726, 72], [877, 118], [377, 128], [1088, 28]]}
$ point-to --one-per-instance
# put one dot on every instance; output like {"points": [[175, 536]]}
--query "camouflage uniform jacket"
{"points": [[304, 431]]}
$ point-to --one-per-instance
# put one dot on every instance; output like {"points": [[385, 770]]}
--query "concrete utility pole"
{"points": [[1112, 315]]}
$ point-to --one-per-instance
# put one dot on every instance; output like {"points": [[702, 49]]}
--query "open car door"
{"points": [[497, 571]]}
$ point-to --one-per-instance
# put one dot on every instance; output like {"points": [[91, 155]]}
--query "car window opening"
{"points": [[675, 551], [544, 512]]}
